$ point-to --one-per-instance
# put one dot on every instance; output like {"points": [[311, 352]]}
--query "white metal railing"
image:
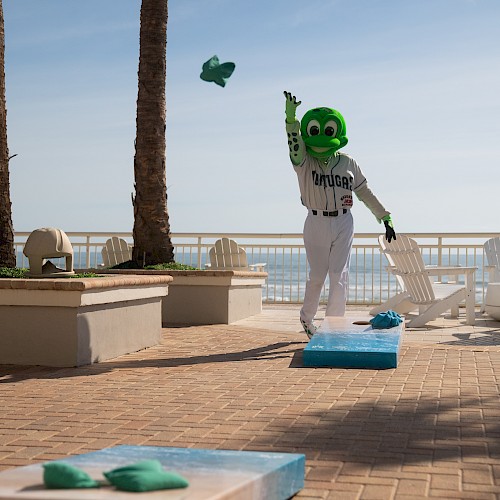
{"points": [[369, 282]]}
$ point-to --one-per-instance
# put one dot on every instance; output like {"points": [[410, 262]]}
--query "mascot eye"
{"points": [[313, 127], [331, 128]]}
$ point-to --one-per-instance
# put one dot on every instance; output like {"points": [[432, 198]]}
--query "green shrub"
{"points": [[172, 266], [130, 264], [13, 272], [20, 272]]}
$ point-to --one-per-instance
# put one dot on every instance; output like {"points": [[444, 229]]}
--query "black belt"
{"points": [[335, 213]]}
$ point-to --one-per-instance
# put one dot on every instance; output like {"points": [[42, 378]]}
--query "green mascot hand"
{"points": [[291, 106], [390, 234]]}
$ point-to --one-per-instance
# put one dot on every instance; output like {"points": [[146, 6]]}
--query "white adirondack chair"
{"points": [[227, 255], [492, 252], [115, 251], [432, 299], [399, 302]]}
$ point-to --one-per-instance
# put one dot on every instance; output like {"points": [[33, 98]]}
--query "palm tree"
{"points": [[7, 255], [152, 243]]}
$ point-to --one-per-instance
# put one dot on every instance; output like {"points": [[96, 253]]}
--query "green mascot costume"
{"points": [[327, 179]]}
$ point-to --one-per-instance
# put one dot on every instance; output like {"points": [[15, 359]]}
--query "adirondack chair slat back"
{"points": [[405, 254], [115, 251], [382, 243], [492, 251], [226, 254]]}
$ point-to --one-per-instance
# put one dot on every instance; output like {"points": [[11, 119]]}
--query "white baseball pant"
{"points": [[328, 242]]}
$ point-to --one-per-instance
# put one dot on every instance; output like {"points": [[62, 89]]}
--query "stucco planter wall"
{"points": [[73, 322], [209, 297]]}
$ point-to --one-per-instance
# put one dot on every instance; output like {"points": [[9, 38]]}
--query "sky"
{"points": [[416, 81]]}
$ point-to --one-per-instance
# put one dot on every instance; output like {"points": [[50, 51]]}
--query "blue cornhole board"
{"points": [[212, 474], [341, 344]]}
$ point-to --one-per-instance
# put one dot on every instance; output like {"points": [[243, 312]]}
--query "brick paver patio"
{"points": [[430, 428]]}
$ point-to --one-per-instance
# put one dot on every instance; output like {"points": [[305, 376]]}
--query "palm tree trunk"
{"points": [[152, 243], [7, 255]]}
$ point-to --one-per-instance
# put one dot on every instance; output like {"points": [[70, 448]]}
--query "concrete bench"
{"points": [[212, 474], [341, 344]]}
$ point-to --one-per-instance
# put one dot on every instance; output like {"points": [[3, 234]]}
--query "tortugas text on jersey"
{"points": [[332, 180]]}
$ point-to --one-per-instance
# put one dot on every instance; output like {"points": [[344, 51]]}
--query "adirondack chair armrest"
{"points": [[450, 270], [394, 271]]}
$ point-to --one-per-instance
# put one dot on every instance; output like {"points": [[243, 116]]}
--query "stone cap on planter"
{"points": [[200, 277], [82, 284], [178, 272]]}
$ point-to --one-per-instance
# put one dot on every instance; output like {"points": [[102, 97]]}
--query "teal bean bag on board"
{"points": [[147, 475], [388, 319]]}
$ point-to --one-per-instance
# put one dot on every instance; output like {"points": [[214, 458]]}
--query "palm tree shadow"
{"points": [[391, 435]]}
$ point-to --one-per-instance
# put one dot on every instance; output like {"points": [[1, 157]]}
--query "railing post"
{"points": [[199, 252], [440, 251], [87, 252], [440, 255]]}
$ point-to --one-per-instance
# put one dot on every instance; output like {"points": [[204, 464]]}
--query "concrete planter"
{"points": [[208, 297], [73, 322]]}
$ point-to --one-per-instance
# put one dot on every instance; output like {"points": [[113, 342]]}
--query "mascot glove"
{"points": [[390, 234], [290, 106]]}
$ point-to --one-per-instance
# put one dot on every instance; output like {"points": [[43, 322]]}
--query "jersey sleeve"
{"points": [[296, 146], [365, 194]]}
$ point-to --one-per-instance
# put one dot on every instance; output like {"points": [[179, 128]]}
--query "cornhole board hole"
{"points": [[212, 474], [339, 343]]}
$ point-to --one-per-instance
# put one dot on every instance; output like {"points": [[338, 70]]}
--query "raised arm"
{"points": [[296, 146]]}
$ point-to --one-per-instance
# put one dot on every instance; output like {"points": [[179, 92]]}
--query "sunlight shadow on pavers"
{"points": [[278, 350], [490, 339], [452, 333], [298, 359], [409, 432]]}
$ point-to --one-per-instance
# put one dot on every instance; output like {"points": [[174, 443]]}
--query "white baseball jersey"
{"points": [[329, 187]]}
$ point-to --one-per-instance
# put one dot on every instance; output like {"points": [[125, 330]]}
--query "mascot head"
{"points": [[323, 131]]}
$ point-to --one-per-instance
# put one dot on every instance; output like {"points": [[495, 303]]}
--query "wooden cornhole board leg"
{"points": [[339, 343]]}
